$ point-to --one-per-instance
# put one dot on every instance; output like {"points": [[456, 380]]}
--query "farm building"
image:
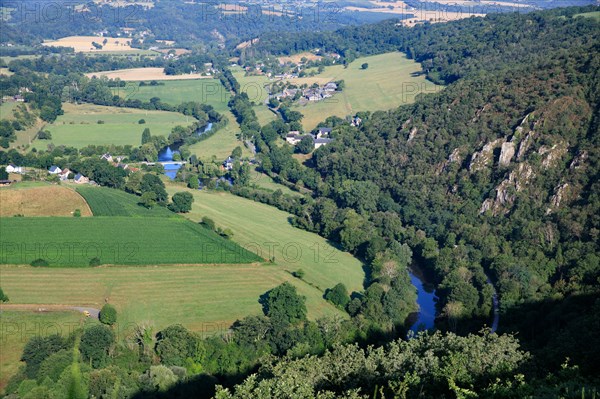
{"points": [[54, 170], [81, 179], [322, 142], [12, 168]]}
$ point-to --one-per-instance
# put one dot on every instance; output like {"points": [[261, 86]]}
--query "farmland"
{"points": [[41, 200], [83, 44], [140, 74], [268, 230], [206, 91], [175, 92], [204, 298], [114, 240], [79, 125], [112, 202], [388, 82]]}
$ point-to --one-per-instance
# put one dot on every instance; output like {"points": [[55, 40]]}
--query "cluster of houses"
{"points": [[16, 98], [312, 94], [63, 175], [116, 161], [320, 139]]}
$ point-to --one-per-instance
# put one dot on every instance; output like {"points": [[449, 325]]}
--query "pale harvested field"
{"points": [[139, 74], [41, 201], [83, 44], [399, 7], [296, 58]]}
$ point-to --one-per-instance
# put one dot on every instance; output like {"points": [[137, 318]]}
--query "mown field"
{"points": [[72, 242], [390, 80], [175, 92], [140, 74], [79, 125], [267, 231], [41, 200], [204, 298], [105, 201]]}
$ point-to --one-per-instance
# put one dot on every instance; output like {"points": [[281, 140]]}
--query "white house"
{"points": [[293, 137], [54, 170], [80, 179], [322, 142], [14, 169], [64, 175], [323, 132], [228, 163], [107, 157]]}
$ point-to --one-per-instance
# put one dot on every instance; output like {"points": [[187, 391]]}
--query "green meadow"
{"points": [[114, 240], [175, 92], [105, 201], [390, 80], [79, 125], [267, 231]]}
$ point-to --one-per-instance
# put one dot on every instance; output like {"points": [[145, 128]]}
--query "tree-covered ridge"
{"points": [[458, 49]]}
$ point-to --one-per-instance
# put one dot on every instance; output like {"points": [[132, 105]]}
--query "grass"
{"points": [[72, 242], [264, 181], [203, 298], [79, 126], [267, 230], [221, 144], [389, 81], [17, 327], [175, 92], [592, 14], [206, 91], [7, 110], [44, 200], [111, 202]]}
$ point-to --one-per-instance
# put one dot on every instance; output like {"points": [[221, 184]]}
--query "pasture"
{"points": [[105, 201], [207, 299], [79, 125], [41, 200], [139, 74], [83, 44], [175, 92], [73, 242], [267, 231], [391, 80]]}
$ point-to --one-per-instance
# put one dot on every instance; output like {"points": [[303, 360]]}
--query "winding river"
{"points": [[424, 319], [166, 154]]}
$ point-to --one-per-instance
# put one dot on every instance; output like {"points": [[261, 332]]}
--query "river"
{"points": [[424, 319], [166, 154]]}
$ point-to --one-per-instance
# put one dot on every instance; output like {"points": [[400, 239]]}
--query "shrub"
{"points": [[108, 314], [39, 262], [142, 121], [299, 273], [3, 297], [95, 262], [77, 213], [338, 295], [208, 223]]}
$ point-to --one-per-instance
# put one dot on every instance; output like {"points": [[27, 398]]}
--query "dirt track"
{"points": [[42, 308]]}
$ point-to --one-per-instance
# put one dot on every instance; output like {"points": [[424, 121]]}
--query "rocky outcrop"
{"points": [[412, 134], [560, 194], [552, 155], [524, 146], [506, 154], [579, 160], [507, 190], [455, 156], [481, 159]]}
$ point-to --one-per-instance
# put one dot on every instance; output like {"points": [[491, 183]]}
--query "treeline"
{"points": [[448, 52]]}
